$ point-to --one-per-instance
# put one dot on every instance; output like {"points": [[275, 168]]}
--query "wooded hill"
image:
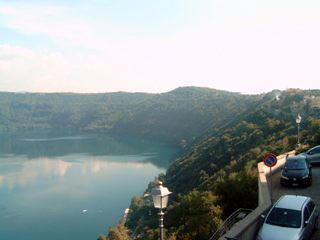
{"points": [[177, 116]]}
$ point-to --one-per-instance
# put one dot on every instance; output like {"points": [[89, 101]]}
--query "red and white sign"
{"points": [[270, 160]]}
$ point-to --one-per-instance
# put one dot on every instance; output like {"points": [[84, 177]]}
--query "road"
{"points": [[313, 191]]}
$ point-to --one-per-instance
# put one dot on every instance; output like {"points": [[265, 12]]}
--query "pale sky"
{"points": [[248, 46]]}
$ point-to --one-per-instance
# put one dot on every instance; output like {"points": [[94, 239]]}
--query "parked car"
{"points": [[296, 171], [291, 218], [313, 154]]}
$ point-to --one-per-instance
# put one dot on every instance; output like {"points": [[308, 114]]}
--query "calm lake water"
{"points": [[74, 187]]}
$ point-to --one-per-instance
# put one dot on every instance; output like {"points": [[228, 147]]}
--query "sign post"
{"points": [[270, 161]]}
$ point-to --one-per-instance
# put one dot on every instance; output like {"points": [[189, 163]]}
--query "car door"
{"points": [[306, 224], [314, 155], [313, 213]]}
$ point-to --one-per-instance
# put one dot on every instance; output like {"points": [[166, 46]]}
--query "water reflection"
{"points": [[46, 183], [159, 154], [15, 171]]}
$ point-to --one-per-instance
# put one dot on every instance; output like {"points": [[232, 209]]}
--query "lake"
{"points": [[72, 187]]}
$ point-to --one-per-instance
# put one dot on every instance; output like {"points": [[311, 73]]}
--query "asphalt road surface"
{"points": [[313, 191]]}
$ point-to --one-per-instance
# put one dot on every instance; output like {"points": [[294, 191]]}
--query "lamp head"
{"points": [[160, 196], [298, 120]]}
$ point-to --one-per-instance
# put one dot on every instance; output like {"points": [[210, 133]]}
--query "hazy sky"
{"points": [[248, 46]]}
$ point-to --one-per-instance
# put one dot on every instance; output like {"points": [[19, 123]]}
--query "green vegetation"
{"points": [[221, 165], [120, 232], [196, 214], [178, 116], [223, 135]]}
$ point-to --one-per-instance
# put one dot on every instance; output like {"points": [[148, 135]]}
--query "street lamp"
{"points": [[298, 121], [160, 196]]}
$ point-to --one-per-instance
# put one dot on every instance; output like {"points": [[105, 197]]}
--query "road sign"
{"points": [[270, 160]]}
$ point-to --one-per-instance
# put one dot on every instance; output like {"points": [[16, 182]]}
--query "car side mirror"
{"points": [[263, 216]]}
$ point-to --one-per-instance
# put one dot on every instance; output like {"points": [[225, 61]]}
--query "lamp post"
{"points": [[160, 196], [298, 121]]}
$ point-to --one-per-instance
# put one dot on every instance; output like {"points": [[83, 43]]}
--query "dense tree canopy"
{"points": [[120, 232], [163, 116]]}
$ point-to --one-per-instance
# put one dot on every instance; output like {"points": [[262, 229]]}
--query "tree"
{"points": [[195, 217], [238, 190], [120, 232], [102, 237]]}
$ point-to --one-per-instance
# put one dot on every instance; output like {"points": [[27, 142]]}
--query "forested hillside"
{"points": [[269, 127], [217, 175], [178, 116]]}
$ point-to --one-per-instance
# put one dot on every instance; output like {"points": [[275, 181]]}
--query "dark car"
{"points": [[313, 154], [296, 171]]}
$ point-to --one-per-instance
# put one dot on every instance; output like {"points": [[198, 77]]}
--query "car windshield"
{"points": [[295, 164], [285, 218], [314, 150]]}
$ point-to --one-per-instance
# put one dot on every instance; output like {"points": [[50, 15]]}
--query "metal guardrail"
{"points": [[230, 221]]}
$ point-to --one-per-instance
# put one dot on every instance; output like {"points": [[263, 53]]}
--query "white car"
{"points": [[291, 218]]}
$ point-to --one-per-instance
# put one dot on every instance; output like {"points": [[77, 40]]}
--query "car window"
{"points": [[295, 164], [306, 214], [311, 206], [284, 217], [316, 150]]}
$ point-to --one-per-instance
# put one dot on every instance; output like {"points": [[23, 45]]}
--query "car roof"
{"points": [[294, 202], [297, 158]]}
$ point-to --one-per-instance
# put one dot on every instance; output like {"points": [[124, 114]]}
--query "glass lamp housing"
{"points": [[298, 120], [160, 196]]}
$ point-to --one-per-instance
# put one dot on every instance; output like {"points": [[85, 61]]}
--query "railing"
{"points": [[230, 221]]}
